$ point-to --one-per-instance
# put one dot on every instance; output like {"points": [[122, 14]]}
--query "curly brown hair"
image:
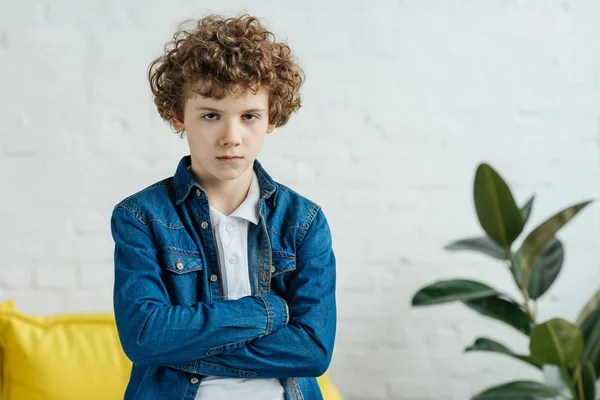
{"points": [[220, 55]]}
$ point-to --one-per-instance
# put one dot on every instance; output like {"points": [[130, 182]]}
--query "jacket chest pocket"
{"points": [[283, 266], [183, 275]]}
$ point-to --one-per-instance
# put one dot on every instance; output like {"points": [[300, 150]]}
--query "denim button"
{"points": [[179, 265], [272, 269], [204, 225], [194, 380], [198, 192], [213, 278]]}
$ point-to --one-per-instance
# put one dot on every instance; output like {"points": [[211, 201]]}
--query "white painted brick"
{"points": [[37, 302], [16, 274], [87, 301], [387, 333], [360, 384], [429, 387], [99, 276], [85, 224], [56, 276], [402, 100]]}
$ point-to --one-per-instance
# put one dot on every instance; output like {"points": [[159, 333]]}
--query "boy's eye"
{"points": [[214, 117], [210, 117]]}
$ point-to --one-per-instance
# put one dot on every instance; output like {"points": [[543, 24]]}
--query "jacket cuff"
{"points": [[276, 310]]}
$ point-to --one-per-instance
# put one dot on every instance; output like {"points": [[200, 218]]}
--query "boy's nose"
{"points": [[230, 135]]}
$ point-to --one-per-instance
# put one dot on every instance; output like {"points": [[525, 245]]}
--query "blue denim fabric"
{"points": [[171, 317]]}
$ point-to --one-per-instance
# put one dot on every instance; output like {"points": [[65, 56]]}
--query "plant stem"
{"points": [[579, 380], [522, 286], [511, 267], [527, 307], [569, 382]]}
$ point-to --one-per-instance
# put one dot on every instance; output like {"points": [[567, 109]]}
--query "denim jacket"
{"points": [[171, 317]]}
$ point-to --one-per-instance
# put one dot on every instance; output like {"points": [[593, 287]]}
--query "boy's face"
{"points": [[234, 126]]}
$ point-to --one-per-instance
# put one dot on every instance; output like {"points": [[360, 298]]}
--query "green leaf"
{"points": [[592, 304], [451, 290], [526, 209], [535, 242], [481, 244], [484, 244], [518, 390], [589, 322], [502, 310], [556, 342], [497, 211], [590, 330], [485, 344], [588, 379], [544, 270]]}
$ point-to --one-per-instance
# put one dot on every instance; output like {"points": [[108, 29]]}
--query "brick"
{"points": [[16, 274], [96, 275], [53, 276], [89, 301], [37, 302]]}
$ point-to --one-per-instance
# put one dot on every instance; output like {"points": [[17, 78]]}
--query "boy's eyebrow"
{"points": [[198, 108]]}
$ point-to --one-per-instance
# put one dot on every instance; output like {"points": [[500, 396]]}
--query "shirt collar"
{"points": [[248, 210], [184, 182]]}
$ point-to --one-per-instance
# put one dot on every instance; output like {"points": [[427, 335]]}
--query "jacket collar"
{"points": [[184, 182]]}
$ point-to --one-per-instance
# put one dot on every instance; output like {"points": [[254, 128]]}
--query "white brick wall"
{"points": [[402, 100]]}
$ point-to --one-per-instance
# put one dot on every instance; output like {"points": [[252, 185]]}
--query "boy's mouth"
{"points": [[229, 159]]}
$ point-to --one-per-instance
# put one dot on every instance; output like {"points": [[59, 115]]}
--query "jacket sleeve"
{"points": [[304, 346], [152, 331]]}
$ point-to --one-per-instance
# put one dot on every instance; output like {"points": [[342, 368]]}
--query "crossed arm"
{"points": [[224, 338]]}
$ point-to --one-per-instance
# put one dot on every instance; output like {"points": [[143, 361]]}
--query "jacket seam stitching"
{"points": [[235, 370], [139, 215], [189, 253], [289, 228], [176, 226], [308, 221], [187, 385], [208, 352], [133, 211], [268, 310], [297, 385]]}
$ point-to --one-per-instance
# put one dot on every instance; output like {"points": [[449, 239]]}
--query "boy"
{"points": [[224, 279]]}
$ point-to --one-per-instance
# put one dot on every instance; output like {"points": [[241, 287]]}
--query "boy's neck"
{"points": [[226, 196]]}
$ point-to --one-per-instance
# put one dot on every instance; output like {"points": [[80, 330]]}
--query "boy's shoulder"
{"points": [[146, 202], [288, 199], [158, 201]]}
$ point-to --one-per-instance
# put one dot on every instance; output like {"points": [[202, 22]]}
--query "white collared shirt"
{"points": [[231, 235], [229, 230]]}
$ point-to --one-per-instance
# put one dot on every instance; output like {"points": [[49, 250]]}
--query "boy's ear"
{"points": [[177, 125], [270, 128]]}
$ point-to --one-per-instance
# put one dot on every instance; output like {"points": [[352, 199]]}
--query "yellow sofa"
{"points": [[69, 357]]}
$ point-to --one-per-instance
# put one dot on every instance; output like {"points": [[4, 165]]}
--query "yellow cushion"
{"points": [[5, 306], [64, 357], [328, 390]]}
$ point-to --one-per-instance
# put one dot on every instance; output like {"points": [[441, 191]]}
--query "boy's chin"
{"points": [[229, 172]]}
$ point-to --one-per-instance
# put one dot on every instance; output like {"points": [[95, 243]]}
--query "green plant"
{"points": [[568, 353]]}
